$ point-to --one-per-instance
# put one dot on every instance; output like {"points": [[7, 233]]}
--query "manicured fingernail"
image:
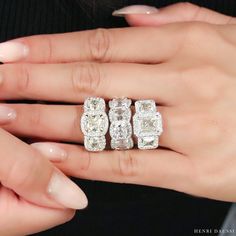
{"points": [[66, 192], [12, 51], [50, 150], [6, 114], [135, 9]]}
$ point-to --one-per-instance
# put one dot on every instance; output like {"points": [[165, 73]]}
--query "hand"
{"points": [[30, 184], [185, 68], [141, 15]]}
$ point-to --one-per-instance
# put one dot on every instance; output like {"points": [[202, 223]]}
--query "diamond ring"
{"points": [[120, 127], [94, 124], [147, 124]]}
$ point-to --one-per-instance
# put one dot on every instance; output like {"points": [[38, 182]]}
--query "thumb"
{"points": [[35, 179], [141, 15]]}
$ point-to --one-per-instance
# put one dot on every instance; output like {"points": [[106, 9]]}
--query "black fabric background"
{"points": [[114, 209]]}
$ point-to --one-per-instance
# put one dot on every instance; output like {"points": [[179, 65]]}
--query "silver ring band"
{"points": [[147, 124], [94, 124], [120, 126]]}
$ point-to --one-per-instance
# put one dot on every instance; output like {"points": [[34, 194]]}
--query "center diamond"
{"points": [[94, 124], [120, 130], [147, 125]]}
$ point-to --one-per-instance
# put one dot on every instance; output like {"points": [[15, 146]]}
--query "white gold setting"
{"points": [[94, 124], [147, 124], [120, 128]]}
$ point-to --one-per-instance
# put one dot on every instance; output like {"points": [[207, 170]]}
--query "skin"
{"points": [[188, 69]]}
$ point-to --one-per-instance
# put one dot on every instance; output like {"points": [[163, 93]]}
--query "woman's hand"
{"points": [[188, 68], [34, 195]]}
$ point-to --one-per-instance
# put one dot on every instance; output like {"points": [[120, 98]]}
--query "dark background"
{"points": [[114, 209]]}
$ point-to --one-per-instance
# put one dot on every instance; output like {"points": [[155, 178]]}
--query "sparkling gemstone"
{"points": [[120, 102], [145, 106], [120, 113], [149, 142], [94, 123], [122, 144], [95, 143], [147, 125], [94, 104], [120, 130]]}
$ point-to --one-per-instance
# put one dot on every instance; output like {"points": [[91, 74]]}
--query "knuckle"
{"points": [[203, 83], [100, 44], [212, 131], [196, 33], [85, 163], [86, 77], [23, 82], [186, 6], [47, 54], [207, 131], [35, 118], [128, 165]]}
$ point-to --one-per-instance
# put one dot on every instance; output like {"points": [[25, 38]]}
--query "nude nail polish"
{"points": [[12, 51], [6, 114], [50, 150], [66, 192], [135, 9]]}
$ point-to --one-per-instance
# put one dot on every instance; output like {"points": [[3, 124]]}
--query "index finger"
{"points": [[135, 44]]}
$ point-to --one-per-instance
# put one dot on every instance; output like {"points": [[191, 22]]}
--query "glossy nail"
{"points": [[50, 150], [12, 51], [135, 9], [66, 192], [6, 114]]}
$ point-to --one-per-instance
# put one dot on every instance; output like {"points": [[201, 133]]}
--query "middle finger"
{"points": [[75, 82]]}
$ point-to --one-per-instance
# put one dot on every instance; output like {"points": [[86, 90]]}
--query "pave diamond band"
{"points": [[94, 124], [147, 124], [120, 127]]}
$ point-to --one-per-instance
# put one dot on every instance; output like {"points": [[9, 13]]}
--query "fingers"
{"points": [[23, 218], [160, 168], [53, 122], [75, 82], [179, 12], [35, 179], [103, 45]]}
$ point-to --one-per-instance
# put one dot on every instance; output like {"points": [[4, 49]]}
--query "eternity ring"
{"points": [[147, 124], [120, 126], [94, 124]]}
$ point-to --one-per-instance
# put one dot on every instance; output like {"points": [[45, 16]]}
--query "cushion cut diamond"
{"points": [[120, 130], [94, 123], [95, 143]]}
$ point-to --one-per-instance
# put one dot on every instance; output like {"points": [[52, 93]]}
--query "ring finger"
{"points": [[62, 123]]}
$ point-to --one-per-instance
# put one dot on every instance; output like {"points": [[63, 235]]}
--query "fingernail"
{"points": [[66, 192], [6, 114], [12, 51], [51, 150], [135, 9]]}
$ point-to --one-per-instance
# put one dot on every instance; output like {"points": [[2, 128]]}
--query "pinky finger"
{"points": [[159, 168]]}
